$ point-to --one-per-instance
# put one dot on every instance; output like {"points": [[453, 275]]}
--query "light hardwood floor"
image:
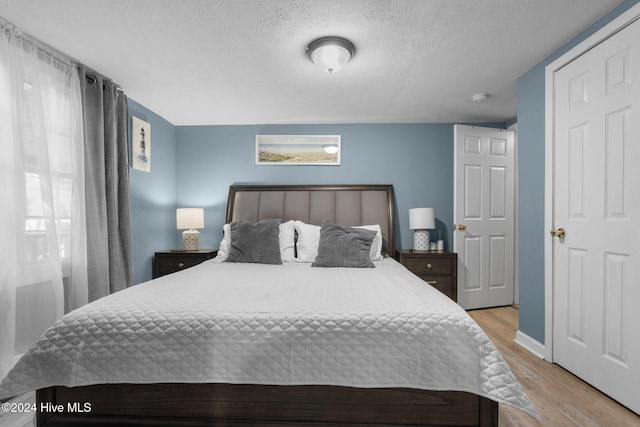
{"points": [[561, 398]]}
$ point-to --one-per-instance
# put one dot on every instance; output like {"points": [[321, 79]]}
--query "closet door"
{"points": [[596, 216]]}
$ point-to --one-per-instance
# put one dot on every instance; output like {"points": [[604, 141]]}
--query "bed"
{"points": [[212, 345]]}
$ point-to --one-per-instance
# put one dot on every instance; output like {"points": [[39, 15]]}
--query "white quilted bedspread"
{"points": [[269, 324]]}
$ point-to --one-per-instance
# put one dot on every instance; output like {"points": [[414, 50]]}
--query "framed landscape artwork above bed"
{"points": [[298, 150]]}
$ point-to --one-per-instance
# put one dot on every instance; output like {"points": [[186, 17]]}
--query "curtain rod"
{"points": [[12, 31], [92, 76]]}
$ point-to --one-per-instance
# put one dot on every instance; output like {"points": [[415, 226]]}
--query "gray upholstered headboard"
{"points": [[346, 205]]}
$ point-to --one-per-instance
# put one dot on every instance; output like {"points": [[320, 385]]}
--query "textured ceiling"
{"points": [[243, 62]]}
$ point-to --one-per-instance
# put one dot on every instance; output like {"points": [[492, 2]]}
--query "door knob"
{"points": [[558, 233], [462, 227]]}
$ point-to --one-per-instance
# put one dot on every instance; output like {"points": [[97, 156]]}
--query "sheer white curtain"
{"points": [[43, 255]]}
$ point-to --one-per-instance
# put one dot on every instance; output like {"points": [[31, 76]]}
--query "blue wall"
{"points": [[531, 152], [193, 166], [153, 194], [416, 158]]}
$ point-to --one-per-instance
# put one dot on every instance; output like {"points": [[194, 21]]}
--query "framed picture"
{"points": [[298, 150], [141, 144]]}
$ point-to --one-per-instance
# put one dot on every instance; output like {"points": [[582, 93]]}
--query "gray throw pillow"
{"points": [[344, 247], [255, 242]]}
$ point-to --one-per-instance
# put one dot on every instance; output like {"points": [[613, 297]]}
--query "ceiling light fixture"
{"points": [[331, 54]]}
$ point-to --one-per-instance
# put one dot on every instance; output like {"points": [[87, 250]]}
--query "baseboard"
{"points": [[529, 344]]}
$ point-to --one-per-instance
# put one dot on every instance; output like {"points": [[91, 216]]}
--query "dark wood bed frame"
{"points": [[230, 405]]}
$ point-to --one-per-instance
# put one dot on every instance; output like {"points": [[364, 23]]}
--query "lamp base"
{"points": [[421, 241], [191, 240]]}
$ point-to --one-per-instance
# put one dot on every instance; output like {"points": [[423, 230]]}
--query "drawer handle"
{"points": [[180, 264], [432, 282], [429, 266]]}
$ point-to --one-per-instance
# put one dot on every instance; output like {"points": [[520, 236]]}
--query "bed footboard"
{"points": [[247, 405]]}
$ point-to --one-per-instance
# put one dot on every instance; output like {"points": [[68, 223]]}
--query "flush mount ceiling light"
{"points": [[331, 53]]}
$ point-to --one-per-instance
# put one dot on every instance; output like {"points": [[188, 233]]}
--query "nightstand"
{"points": [[167, 262], [439, 269]]}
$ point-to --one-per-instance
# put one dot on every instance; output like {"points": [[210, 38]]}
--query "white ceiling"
{"points": [[204, 62]]}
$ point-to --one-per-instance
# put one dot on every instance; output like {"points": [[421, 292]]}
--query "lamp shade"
{"points": [[187, 218], [422, 219]]}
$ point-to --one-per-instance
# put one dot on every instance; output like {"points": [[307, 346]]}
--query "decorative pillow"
{"points": [[307, 243], [287, 242], [309, 237], [255, 242], [344, 247]]}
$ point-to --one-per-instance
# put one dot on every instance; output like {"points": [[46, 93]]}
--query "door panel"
{"points": [[472, 192], [615, 310], [497, 264], [576, 309], [473, 268]]}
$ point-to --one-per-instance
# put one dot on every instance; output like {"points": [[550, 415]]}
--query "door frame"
{"points": [[617, 24], [516, 224]]}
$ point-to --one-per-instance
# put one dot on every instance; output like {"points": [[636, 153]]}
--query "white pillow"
{"points": [[309, 238], [287, 242], [376, 245], [223, 250], [307, 243]]}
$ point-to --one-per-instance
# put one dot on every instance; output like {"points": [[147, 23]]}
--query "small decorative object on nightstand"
{"points": [[439, 269], [167, 262]]}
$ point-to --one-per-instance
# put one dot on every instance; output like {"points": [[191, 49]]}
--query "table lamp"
{"points": [[190, 219], [420, 220]]}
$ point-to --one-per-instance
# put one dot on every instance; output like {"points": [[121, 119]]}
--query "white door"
{"points": [[596, 202], [483, 213]]}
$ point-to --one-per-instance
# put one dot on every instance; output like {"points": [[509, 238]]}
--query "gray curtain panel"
{"points": [[110, 263]]}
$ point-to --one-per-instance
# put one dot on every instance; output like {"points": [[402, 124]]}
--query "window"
{"points": [[43, 264]]}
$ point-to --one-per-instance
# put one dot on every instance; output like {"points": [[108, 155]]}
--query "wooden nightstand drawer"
{"points": [[438, 269], [442, 283], [429, 265], [168, 265], [167, 262]]}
